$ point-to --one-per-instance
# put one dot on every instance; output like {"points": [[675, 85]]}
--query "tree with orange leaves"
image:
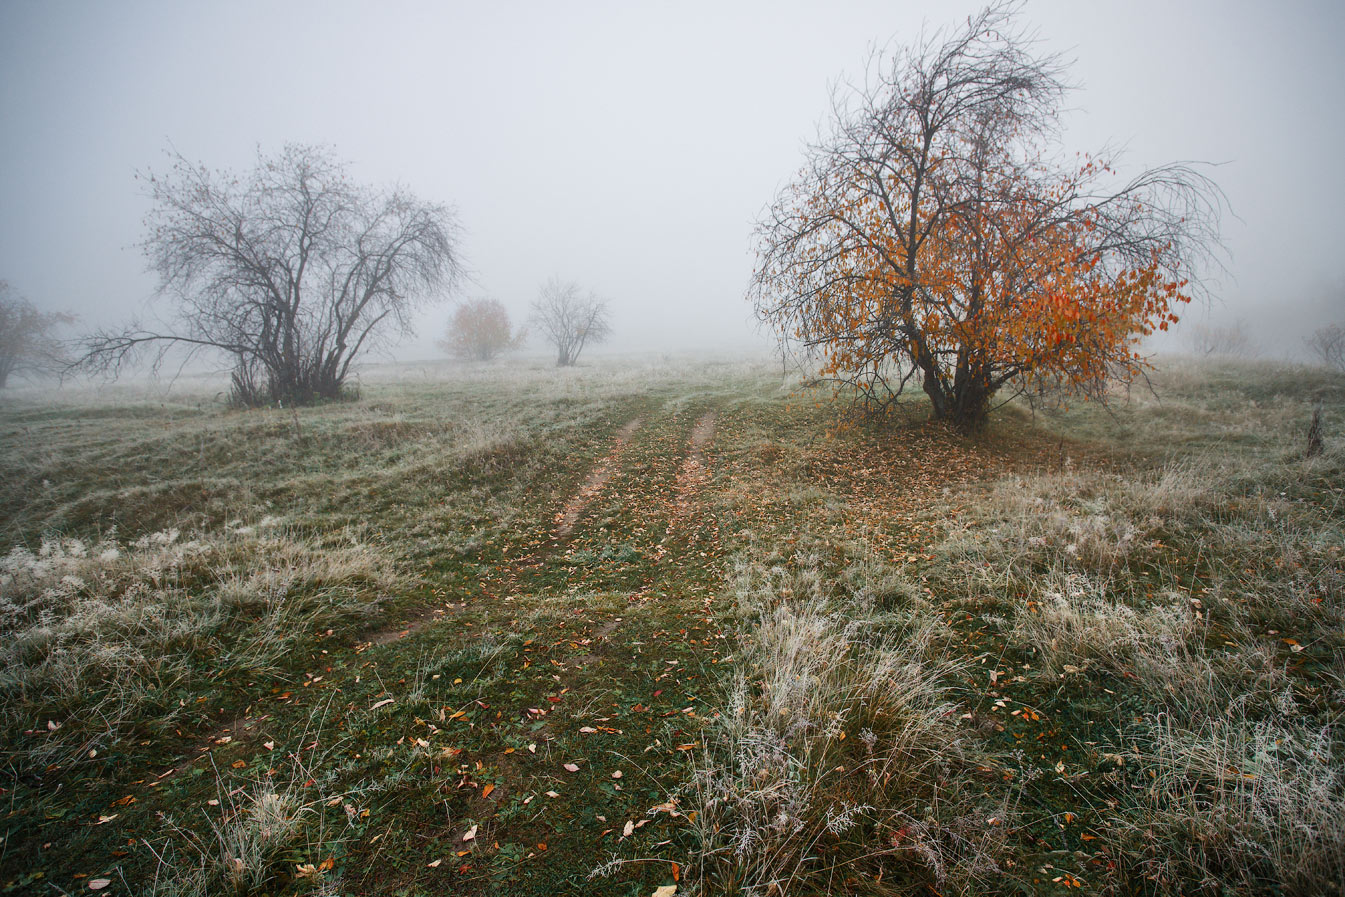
{"points": [[932, 238]]}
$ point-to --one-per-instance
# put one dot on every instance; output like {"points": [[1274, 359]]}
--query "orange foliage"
{"points": [[930, 242]]}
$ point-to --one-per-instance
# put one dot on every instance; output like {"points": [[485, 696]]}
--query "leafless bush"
{"points": [[27, 344], [1327, 345], [570, 320], [1230, 340]]}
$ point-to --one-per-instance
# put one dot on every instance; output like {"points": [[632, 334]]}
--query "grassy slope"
{"points": [[632, 626]]}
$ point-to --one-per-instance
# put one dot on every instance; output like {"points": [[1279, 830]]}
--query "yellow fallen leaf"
{"points": [[665, 891]]}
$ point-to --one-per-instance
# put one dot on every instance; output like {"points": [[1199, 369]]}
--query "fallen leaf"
{"points": [[383, 703], [628, 830], [665, 891], [571, 767], [485, 792], [617, 774], [470, 834], [434, 865], [105, 819], [97, 884]]}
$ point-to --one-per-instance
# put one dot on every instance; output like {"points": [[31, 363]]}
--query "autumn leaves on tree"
{"points": [[932, 239]]}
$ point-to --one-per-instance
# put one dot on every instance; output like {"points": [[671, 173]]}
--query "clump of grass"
{"points": [[101, 636], [1077, 622], [1243, 804], [833, 766], [240, 853], [280, 832], [1208, 593]]}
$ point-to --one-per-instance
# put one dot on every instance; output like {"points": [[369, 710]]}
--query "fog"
{"points": [[628, 147]]}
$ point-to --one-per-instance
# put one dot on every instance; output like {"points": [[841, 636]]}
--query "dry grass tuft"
{"points": [[1244, 804], [830, 770]]}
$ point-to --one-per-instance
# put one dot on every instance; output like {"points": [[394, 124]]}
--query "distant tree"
{"points": [[568, 320], [480, 330], [290, 270], [934, 239], [1327, 344], [1231, 339], [27, 345]]}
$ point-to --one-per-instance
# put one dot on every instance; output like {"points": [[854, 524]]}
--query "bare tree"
{"points": [[480, 330], [568, 320], [290, 270], [934, 239], [1328, 345], [1232, 339], [27, 345]]}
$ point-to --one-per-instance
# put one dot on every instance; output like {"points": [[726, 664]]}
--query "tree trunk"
{"points": [[967, 405]]}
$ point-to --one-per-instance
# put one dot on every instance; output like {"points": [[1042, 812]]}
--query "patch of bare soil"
{"points": [[568, 516], [407, 627], [694, 472]]}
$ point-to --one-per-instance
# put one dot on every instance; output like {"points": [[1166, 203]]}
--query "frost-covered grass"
{"points": [[312, 650], [837, 761], [103, 639], [1174, 592]]}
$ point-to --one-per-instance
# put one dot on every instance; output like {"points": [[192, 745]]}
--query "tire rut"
{"points": [[569, 515]]}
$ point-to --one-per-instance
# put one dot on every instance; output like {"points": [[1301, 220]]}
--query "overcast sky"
{"points": [[627, 146]]}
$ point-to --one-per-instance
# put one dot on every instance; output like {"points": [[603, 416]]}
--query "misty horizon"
{"points": [[628, 150]]}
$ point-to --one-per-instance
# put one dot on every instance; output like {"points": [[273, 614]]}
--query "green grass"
{"points": [[312, 650]]}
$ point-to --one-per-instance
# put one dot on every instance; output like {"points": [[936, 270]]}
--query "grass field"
{"points": [[672, 624]]}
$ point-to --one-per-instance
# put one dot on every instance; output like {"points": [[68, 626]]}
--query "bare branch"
{"points": [[930, 233], [569, 320], [290, 269]]}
